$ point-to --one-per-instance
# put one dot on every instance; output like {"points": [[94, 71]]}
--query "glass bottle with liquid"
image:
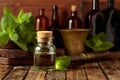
{"points": [[74, 22], [45, 52], [42, 21]]}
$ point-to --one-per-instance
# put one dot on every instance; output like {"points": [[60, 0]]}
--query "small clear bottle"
{"points": [[45, 52]]}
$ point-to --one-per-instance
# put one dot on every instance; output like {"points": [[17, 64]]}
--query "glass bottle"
{"points": [[94, 20], [42, 21], [112, 23], [74, 22], [55, 27], [45, 51]]}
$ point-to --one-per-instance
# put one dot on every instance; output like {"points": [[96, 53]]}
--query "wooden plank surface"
{"points": [[4, 70], [76, 73], [105, 69], [56, 75], [111, 69], [35, 75], [16, 61], [17, 73], [93, 72]]}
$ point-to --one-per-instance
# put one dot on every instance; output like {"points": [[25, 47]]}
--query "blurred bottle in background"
{"points": [[94, 20], [41, 21], [112, 23], [74, 22], [55, 27]]}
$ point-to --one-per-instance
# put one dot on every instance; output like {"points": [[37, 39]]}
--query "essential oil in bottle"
{"points": [[45, 52]]}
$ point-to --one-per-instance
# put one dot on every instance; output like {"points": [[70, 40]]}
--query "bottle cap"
{"points": [[54, 7], [73, 7], [44, 34]]}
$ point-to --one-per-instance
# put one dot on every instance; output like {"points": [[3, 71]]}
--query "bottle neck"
{"points": [[41, 12], [111, 4], [45, 43], [55, 17], [74, 13], [95, 4]]}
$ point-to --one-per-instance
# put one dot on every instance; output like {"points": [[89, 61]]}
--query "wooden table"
{"points": [[104, 69]]}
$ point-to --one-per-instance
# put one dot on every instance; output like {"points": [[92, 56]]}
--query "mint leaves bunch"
{"points": [[19, 29], [99, 42]]}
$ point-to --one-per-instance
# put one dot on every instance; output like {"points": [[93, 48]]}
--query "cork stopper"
{"points": [[44, 36], [73, 8]]}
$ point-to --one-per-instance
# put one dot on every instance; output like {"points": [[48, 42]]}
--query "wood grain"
{"points": [[56, 75], [15, 53], [35, 75], [4, 70], [105, 69], [16, 61], [17, 73], [112, 69], [92, 69], [76, 72]]}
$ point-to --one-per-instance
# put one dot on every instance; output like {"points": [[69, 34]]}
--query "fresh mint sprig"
{"points": [[19, 29], [99, 43]]}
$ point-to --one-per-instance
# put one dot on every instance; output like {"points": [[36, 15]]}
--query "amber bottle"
{"points": [[55, 27], [74, 22], [42, 21]]}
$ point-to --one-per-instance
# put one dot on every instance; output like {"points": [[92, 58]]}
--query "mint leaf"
{"points": [[24, 17], [107, 45], [62, 62], [4, 38], [6, 21], [6, 11], [26, 36], [96, 40], [27, 27], [21, 44], [102, 37], [13, 36], [11, 28], [89, 43], [99, 43], [21, 13]]}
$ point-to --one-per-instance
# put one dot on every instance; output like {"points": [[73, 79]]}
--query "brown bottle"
{"points": [[74, 22], [55, 27], [42, 22]]}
